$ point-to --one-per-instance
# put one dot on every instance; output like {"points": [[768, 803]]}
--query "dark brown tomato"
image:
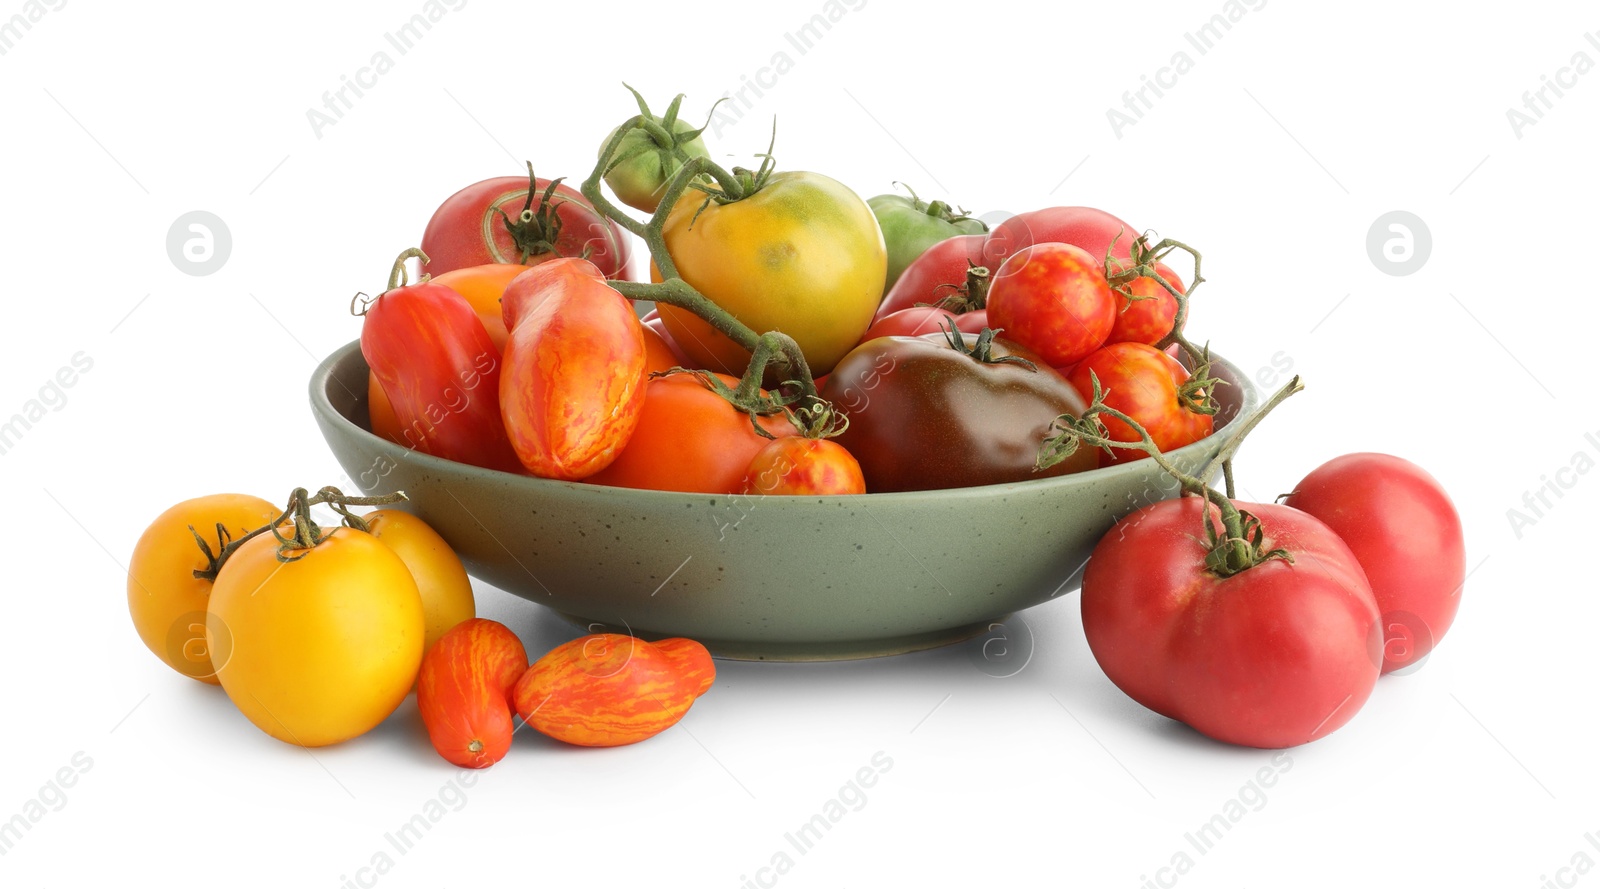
{"points": [[924, 414]]}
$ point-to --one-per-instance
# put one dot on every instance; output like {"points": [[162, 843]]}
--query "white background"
{"points": [[1274, 154]]}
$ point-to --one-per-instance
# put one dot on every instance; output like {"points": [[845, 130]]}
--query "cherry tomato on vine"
{"points": [[503, 220], [924, 414], [1144, 383], [1404, 530], [1054, 299], [1147, 315], [573, 386], [690, 439], [808, 466], [1274, 655], [802, 254], [167, 601], [440, 371]]}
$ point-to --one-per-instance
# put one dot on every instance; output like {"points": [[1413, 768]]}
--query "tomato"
{"points": [[573, 386], [381, 418], [1096, 232], [911, 225], [499, 221], [1054, 299], [320, 649], [1142, 382], [464, 692], [926, 415], [642, 165], [689, 439], [1275, 655], [809, 466], [441, 373], [802, 255], [941, 271], [1404, 530], [924, 320], [166, 600], [482, 286], [440, 577], [1147, 316]]}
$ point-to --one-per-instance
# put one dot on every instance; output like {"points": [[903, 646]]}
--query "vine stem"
{"points": [[1237, 548], [307, 534], [772, 348]]}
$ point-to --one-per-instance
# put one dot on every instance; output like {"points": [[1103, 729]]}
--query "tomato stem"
{"points": [[398, 275], [771, 349], [1239, 546], [307, 533]]}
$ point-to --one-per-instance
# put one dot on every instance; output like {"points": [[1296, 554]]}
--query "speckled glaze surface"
{"points": [[760, 578]]}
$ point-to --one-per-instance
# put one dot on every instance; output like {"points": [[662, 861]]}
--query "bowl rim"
{"points": [[323, 376]]}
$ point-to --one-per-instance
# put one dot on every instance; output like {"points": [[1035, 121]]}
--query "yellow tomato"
{"points": [[446, 590], [320, 649], [167, 601], [803, 255]]}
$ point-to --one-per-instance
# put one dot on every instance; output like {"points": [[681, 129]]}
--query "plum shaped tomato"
{"points": [[573, 385], [439, 370], [1401, 525], [1270, 650], [521, 219], [926, 412], [802, 254]]}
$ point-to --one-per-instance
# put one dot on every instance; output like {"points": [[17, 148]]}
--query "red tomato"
{"points": [[939, 272], [926, 415], [1404, 530], [924, 320], [464, 691], [1094, 231], [1147, 319], [689, 439], [573, 386], [441, 373], [469, 229], [811, 466], [1054, 299], [1273, 656], [1142, 382]]}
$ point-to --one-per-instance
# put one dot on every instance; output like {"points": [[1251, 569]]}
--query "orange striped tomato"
{"points": [[607, 690], [464, 688]]}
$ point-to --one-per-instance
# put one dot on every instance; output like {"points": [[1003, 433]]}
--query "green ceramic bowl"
{"points": [[768, 578]]}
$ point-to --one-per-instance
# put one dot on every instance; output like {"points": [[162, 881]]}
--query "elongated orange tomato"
{"points": [[482, 286], [573, 383], [464, 692], [607, 690]]}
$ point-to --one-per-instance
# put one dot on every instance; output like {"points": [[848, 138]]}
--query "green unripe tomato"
{"points": [[911, 225], [639, 179]]}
